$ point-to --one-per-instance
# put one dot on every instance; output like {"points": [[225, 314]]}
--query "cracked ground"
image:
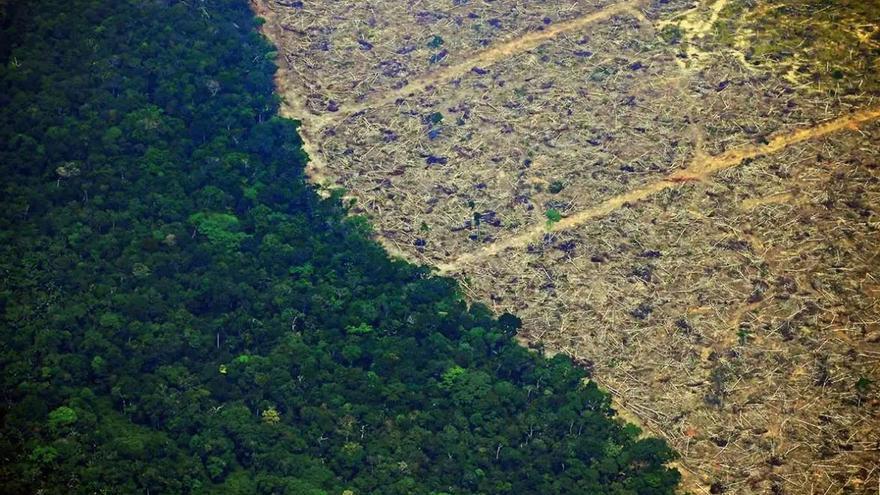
{"points": [[682, 196]]}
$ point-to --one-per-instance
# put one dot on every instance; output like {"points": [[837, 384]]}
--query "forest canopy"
{"points": [[181, 313]]}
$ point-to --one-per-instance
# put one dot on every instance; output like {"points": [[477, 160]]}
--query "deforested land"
{"points": [[682, 196]]}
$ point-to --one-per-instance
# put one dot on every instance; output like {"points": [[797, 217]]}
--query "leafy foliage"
{"points": [[182, 314]]}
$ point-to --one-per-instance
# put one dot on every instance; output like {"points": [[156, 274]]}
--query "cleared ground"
{"points": [[685, 197]]}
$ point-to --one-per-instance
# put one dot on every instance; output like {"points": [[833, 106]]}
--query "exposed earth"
{"points": [[683, 196]]}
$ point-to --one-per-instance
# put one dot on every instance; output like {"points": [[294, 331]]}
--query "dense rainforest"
{"points": [[181, 313]]}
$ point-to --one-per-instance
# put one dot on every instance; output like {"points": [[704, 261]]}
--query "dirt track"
{"points": [[700, 169], [527, 41]]}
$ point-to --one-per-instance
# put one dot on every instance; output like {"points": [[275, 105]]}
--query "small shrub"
{"points": [[553, 216]]}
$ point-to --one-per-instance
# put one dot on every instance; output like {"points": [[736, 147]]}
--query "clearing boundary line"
{"points": [[700, 169]]}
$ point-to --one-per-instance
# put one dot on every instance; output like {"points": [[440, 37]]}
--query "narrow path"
{"points": [[700, 169], [485, 58]]}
